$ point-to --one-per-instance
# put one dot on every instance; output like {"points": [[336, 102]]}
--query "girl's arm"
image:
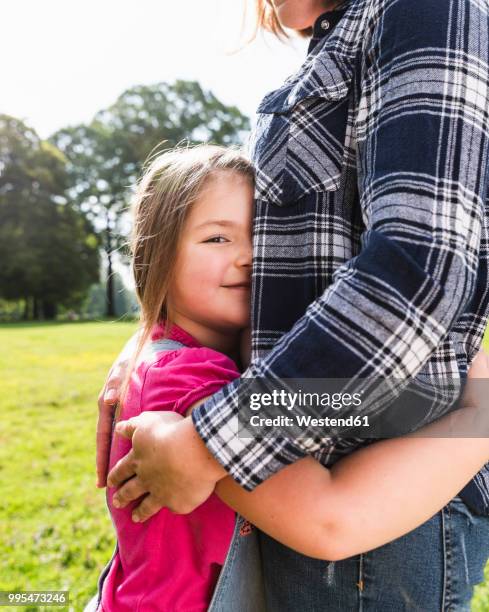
{"points": [[107, 401], [370, 497]]}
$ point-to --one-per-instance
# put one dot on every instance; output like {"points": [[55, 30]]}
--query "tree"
{"points": [[48, 250], [105, 157]]}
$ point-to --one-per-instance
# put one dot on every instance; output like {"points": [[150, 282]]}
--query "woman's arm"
{"points": [[370, 497]]}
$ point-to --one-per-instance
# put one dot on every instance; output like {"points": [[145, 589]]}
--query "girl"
{"points": [[193, 286], [191, 260]]}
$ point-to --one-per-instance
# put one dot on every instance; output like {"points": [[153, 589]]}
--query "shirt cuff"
{"points": [[249, 461]]}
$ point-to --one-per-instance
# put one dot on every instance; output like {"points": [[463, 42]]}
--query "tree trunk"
{"points": [[49, 310], [25, 314], [36, 309]]}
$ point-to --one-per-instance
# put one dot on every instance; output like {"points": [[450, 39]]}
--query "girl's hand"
{"points": [[479, 368], [107, 402]]}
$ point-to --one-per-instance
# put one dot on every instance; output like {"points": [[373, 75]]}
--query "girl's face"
{"points": [[301, 14], [210, 294]]}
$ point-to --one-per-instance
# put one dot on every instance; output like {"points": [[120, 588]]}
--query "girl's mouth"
{"points": [[241, 286]]}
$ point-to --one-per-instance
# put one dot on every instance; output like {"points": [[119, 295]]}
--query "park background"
{"points": [[88, 93]]}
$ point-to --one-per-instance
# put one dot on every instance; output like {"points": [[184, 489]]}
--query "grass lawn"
{"points": [[54, 529]]}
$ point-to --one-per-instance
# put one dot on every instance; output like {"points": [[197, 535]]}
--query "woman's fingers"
{"points": [[149, 506], [127, 428], [122, 470], [130, 490]]}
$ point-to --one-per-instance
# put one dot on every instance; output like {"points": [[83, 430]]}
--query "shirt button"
{"points": [[325, 25]]}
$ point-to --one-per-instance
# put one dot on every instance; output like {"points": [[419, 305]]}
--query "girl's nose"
{"points": [[245, 255]]}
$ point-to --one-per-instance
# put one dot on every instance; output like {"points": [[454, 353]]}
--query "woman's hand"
{"points": [[168, 460], [124, 472]]}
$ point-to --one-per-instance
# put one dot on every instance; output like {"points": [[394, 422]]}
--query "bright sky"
{"points": [[62, 61]]}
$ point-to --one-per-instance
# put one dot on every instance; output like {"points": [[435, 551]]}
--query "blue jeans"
{"points": [[431, 569]]}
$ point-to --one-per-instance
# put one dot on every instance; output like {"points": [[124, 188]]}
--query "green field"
{"points": [[54, 529]]}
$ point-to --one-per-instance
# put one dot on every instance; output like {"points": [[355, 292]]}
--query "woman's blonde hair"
{"points": [[170, 184]]}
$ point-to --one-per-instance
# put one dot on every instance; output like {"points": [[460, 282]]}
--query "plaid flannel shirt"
{"points": [[371, 223]]}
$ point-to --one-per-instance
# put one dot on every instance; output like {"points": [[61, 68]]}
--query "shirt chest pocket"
{"points": [[301, 138]]}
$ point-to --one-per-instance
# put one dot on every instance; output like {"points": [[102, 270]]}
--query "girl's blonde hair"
{"points": [[171, 183], [266, 19]]}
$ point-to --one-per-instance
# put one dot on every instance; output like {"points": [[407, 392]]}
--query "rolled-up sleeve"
{"points": [[422, 159]]}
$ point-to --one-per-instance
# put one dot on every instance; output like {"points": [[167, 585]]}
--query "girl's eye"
{"points": [[216, 239]]}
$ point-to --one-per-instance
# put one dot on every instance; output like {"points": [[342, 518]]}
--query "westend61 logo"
{"points": [[366, 408], [289, 401]]}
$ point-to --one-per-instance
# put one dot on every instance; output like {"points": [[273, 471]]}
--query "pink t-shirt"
{"points": [[170, 562]]}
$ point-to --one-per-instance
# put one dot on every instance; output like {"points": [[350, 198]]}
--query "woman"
{"points": [[370, 259]]}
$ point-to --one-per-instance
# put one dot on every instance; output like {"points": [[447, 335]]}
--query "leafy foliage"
{"points": [[48, 249]]}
